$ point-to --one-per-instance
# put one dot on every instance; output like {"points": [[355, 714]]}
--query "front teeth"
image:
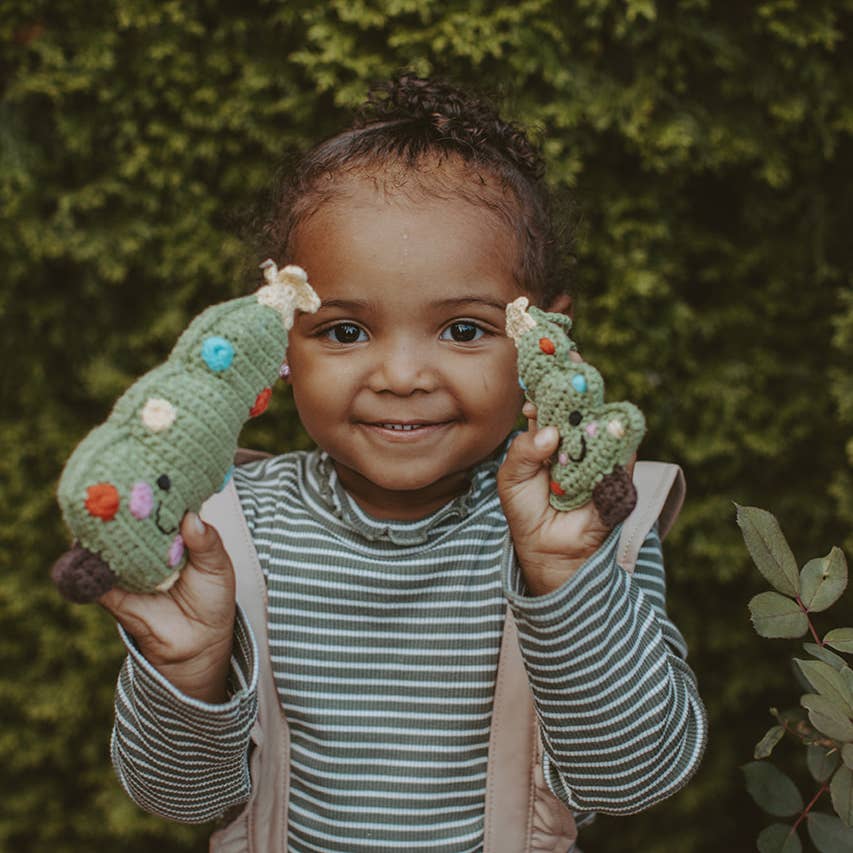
{"points": [[401, 427]]}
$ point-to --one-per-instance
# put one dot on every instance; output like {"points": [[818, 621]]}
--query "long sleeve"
{"points": [[622, 722], [178, 757]]}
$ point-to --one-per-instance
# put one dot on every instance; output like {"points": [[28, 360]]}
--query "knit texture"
{"points": [[596, 438], [169, 441]]}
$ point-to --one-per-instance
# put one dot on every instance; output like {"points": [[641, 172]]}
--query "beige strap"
{"points": [[262, 826], [514, 756], [660, 494], [509, 781]]}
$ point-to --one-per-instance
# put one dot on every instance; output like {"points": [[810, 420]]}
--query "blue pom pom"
{"points": [[228, 475], [218, 353], [521, 384], [579, 383]]}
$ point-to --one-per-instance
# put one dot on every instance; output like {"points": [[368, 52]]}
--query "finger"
{"points": [[529, 411], [575, 356], [527, 454], [206, 551]]}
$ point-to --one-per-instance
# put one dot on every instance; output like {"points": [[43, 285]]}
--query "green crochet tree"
{"points": [[597, 439], [169, 442]]}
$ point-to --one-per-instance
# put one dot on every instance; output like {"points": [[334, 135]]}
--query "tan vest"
{"points": [[522, 815]]}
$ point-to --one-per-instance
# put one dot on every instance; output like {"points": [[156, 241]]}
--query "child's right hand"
{"points": [[187, 632]]}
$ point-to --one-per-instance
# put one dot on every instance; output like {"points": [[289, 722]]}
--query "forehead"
{"points": [[378, 232]]}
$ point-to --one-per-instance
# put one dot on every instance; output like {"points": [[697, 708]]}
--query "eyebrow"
{"points": [[347, 304], [455, 302]]}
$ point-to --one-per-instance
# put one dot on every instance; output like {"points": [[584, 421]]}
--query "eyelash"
{"points": [[330, 333]]}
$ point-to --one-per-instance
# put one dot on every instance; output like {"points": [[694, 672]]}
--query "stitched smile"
{"points": [[582, 454], [157, 521]]}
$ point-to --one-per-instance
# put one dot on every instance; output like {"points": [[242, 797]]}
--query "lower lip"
{"points": [[406, 435]]}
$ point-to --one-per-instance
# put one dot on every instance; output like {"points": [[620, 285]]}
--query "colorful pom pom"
{"points": [[158, 414], [176, 551], [141, 500], [555, 489], [218, 353], [261, 403], [579, 383], [102, 501], [227, 478], [616, 429], [547, 346]]}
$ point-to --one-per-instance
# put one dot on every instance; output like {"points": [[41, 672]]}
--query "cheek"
{"points": [[494, 387]]}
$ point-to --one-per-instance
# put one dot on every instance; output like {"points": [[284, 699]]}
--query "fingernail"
{"points": [[197, 523]]}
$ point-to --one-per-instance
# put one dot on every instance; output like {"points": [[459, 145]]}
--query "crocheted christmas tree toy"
{"points": [[596, 438], [169, 442]]}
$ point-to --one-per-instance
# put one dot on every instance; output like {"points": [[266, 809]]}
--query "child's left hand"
{"points": [[551, 545]]}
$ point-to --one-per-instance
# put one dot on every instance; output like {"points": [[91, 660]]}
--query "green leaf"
{"points": [[775, 616], [822, 580], [828, 717], [822, 762], [829, 834], [765, 746], [769, 549], [840, 639], [834, 660], [847, 754], [828, 682], [841, 789], [778, 838], [772, 789]]}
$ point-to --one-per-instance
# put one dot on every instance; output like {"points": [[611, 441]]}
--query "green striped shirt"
{"points": [[384, 639]]}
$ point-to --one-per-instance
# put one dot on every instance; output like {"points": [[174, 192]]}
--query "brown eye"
{"points": [[346, 333], [462, 332]]}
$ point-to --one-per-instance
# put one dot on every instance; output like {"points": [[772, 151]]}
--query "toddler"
{"points": [[390, 553]]}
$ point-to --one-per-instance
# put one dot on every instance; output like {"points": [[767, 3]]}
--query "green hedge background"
{"points": [[708, 149]]}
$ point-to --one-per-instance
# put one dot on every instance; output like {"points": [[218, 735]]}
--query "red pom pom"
{"points": [[556, 490], [547, 346], [261, 403], [102, 501]]}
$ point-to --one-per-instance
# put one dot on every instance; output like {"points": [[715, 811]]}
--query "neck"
{"points": [[402, 504]]}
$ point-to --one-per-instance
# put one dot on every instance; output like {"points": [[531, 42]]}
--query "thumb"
{"points": [[206, 551], [527, 454]]}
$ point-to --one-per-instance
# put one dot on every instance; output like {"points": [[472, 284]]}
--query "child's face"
{"points": [[405, 375]]}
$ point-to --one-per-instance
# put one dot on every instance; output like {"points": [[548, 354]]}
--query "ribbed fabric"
{"points": [[384, 639]]}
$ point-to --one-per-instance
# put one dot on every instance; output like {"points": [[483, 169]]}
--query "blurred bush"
{"points": [[708, 151]]}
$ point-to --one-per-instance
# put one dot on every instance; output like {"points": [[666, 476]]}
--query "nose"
{"points": [[402, 367]]}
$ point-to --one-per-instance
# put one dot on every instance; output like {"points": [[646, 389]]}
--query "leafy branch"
{"points": [[823, 723]]}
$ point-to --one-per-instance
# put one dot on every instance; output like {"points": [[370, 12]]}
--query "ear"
{"points": [[561, 304]]}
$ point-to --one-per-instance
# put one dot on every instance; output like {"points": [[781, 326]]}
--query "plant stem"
{"points": [[805, 610], [807, 809]]}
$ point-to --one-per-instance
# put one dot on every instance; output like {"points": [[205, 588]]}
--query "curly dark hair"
{"points": [[412, 123]]}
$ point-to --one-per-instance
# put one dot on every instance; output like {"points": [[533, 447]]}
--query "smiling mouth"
{"points": [[157, 522], [582, 454], [409, 429], [404, 427]]}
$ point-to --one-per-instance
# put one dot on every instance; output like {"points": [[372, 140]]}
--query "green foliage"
{"points": [[708, 151], [828, 734]]}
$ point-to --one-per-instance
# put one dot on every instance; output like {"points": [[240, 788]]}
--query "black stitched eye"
{"points": [[575, 418], [164, 482]]}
